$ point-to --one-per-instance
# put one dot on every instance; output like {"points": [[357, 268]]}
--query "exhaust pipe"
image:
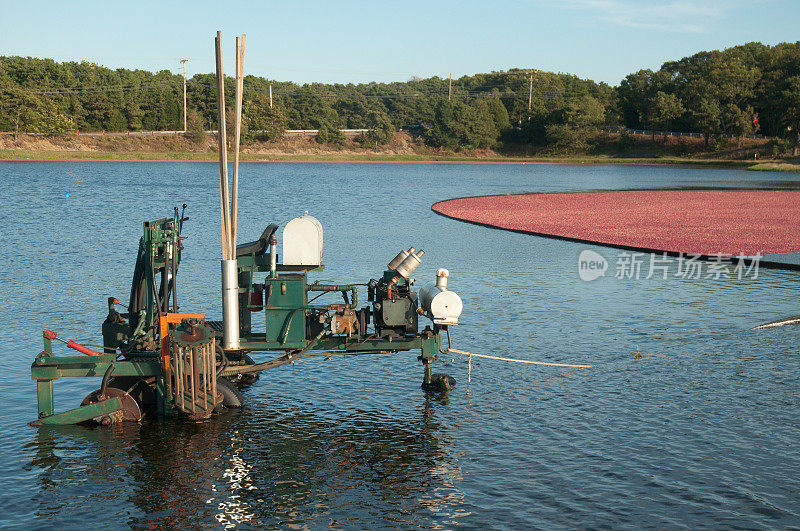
{"points": [[230, 305]]}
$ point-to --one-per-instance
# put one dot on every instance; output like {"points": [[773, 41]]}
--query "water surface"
{"points": [[700, 430]]}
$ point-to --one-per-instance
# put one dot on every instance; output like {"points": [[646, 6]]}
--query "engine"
{"points": [[395, 305]]}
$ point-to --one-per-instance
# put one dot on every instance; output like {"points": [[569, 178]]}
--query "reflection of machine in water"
{"points": [[288, 467]]}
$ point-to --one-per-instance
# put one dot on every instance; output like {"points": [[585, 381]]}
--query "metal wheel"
{"points": [[231, 396], [130, 411], [136, 395]]}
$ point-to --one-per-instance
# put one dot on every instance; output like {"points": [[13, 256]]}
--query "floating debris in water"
{"points": [[780, 322]]}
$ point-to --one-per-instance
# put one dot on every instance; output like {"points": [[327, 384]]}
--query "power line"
{"points": [[100, 88], [420, 95], [352, 93]]}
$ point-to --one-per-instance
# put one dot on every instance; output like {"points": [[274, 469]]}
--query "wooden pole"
{"points": [[270, 95], [183, 62], [530, 94], [237, 133], [223, 150]]}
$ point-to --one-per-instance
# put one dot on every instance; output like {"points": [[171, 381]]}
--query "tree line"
{"points": [[753, 88]]}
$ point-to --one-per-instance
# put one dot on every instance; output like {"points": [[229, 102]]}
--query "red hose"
{"points": [[49, 334], [81, 348]]}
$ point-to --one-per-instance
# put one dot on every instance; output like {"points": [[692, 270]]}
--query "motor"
{"points": [[394, 303]]}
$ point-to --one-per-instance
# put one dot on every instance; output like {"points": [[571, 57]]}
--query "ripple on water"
{"points": [[700, 430]]}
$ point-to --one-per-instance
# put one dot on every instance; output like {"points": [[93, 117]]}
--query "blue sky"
{"points": [[347, 41]]}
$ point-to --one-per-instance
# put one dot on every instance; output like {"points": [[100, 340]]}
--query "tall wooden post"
{"points": [[183, 61], [237, 133], [450, 89], [223, 150], [530, 93], [270, 95]]}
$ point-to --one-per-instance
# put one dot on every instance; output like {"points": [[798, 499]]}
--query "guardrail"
{"points": [[650, 132], [101, 133], [286, 133], [314, 132]]}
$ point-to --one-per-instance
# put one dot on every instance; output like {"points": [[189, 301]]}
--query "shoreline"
{"points": [[402, 149], [772, 166], [630, 162]]}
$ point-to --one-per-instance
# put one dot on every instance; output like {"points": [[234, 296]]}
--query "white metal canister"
{"points": [[439, 303], [302, 242]]}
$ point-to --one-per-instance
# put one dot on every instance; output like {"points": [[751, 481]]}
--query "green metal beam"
{"points": [[44, 397], [339, 343], [81, 414], [74, 366], [73, 360]]}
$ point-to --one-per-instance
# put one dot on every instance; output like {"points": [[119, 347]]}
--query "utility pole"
{"points": [[183, 62], [270, 95], [530, 94], [450, 88]]}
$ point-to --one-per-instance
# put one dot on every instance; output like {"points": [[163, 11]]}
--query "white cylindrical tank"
{"points": [[439, 303], [302, 242]]}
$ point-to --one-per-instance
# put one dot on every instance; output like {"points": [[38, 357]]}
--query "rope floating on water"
{"points": [[519, 361], [470, 354]]}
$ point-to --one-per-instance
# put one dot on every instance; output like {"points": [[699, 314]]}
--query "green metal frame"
{"points": [[158, 234], [286, 299], [46, 368]]}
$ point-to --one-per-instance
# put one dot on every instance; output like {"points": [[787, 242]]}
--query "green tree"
{"points": [[585, 113], [15, 108], [21, 111], [98, 111], [442, 132], [458, 125], [499, 113], [328, 134], [664, 109], [790, 100], [51, 122], [707, 118], [737, 121], [307, 110], [195, 130], [479, 129], [581, 119], [133, 114], [352, 110], [635, 94], [381, 130], [263, 122]]}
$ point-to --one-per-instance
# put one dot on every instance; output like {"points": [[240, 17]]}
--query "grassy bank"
{"points": [[403, 149], [372, 157]]}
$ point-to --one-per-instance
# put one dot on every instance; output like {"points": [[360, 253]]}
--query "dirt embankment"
{"points": [[82, 146], [602, 148]]}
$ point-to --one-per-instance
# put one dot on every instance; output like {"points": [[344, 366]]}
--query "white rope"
{"points": [[470, 354]]}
